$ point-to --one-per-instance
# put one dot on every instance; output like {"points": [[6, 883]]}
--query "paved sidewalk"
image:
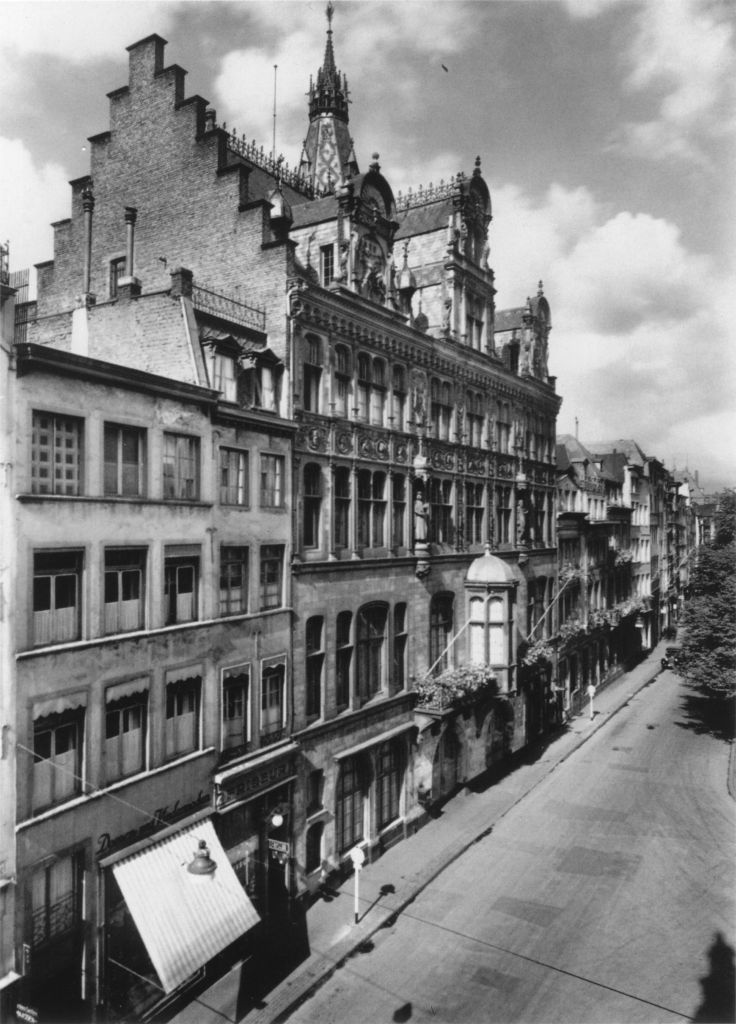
{"points": [[396, 879]]}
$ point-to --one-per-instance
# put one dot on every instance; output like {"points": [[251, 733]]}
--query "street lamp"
{"points": [[358, 858], [202, 866], [277, 819]]}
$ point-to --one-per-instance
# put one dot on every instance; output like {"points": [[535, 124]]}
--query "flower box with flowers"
{"points": [[538, 653], [457, 687]]}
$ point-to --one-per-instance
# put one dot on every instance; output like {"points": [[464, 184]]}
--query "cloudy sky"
{"points": [[606, 130]]}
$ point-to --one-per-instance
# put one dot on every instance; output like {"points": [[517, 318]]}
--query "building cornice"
{"points": [[33, 358]]}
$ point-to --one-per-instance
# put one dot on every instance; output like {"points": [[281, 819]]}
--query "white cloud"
{"points": [[632, 269], [682, 53], [245, 92], [31, 197], [79, 31], [529, 239], [587, 8], [640, 343], [374, 37]]}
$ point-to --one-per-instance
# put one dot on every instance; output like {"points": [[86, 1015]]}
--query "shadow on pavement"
{"points": [[708, 713], [284, 945], [719, 987]]}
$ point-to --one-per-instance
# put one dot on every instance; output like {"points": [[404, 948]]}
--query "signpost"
{"points": [[358, 858]]}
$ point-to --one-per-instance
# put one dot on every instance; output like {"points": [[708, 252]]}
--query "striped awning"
{"points": [[184, 920]]}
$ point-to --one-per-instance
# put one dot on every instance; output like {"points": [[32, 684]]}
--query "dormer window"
{"points": [[260, 384], [222, 366], [223, 376]]}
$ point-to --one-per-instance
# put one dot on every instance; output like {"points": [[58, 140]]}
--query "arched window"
{"points": [[349, 804], [474, 512], [440, 631], [503, 515], [315, 656], [503, 427], [398, 679], [441, 508], [398, 511], [343, 659], [371, 653], [371, 509], [378, 393], [341, 391], [341, 533], [312, 373], [312, 504], [474, 418], [389, 777], [364, 386], [399, 398], [441, 408]]}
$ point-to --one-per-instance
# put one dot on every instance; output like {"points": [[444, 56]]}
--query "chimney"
{"points": [[88, 205], [128, 285]]}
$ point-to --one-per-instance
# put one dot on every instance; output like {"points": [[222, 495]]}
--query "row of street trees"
{"points": [[708, 657]]}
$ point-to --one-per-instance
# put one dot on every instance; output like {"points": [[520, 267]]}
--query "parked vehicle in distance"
{"points": [[671, 657]]}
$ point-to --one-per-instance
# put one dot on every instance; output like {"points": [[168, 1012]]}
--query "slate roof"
{"points": [[575, 450], [623, 446], [420, 220], [315, 211], [509, 319]]}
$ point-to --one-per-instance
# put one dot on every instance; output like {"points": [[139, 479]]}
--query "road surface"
{"points": [[606, 895]]}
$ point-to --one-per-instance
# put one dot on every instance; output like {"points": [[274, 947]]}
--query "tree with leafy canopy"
{"points": [[708, 656]]}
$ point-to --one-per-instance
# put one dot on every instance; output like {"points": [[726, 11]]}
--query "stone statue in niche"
{"points": [[447, 316], [342, 274], [421, 518], [520, 524], [419, 397], [526, 355]]}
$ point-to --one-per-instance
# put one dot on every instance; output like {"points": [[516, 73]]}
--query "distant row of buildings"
{"points": [[291, 549]]}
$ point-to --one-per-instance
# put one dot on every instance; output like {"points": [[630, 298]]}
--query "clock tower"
{"points": [[327, 156]]}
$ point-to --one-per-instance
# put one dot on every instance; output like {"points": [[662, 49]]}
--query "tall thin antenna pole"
{"points": [[273, 151]]}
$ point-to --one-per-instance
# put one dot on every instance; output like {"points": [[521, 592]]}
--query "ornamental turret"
{"points": [[327, 156]]}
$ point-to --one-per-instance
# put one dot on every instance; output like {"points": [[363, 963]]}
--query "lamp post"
{"points": [[358, 858]]}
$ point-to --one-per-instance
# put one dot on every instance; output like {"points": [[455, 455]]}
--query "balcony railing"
{"points": [[228, 308], [55, 919]]}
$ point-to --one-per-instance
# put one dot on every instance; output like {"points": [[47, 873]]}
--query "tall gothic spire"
{"points": [[329, 94], [327, 157]]}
